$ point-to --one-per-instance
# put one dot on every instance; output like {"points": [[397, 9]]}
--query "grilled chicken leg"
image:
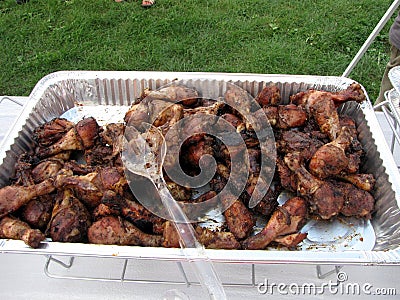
{"points": [[115, 230], [70, 219], [286, 219], [321, 195], [13, 197], [331, 159], [12, 228]]}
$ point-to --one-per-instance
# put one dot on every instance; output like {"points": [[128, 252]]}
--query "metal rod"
{"points": [[253, 275], [321, 275], [12, 100], [182, 270], [124, 270], [387, 113], [371, 37]]}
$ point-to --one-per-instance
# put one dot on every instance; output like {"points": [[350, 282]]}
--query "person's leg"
{"points": [[385, 84]]}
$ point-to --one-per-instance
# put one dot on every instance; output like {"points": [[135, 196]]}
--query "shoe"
{"points": [[148, 3]]}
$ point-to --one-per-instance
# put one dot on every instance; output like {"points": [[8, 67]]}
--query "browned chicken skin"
{"points": [[285, 116], [46, 169], [286, 219], [291, 240], [79, 137], [125, 206], [322, 197], [322, 106], [90, 187], [52, 131], [357, 202], [12, 228], [365, 182], [295, 141], [269, 95], [12, 197], [37, 212], [331, 159], [217, 239], [239, 219], [353, 93], [113, 230], [70, 219]]}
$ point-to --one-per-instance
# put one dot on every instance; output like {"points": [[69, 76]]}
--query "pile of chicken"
{"points": [[72, 188]]}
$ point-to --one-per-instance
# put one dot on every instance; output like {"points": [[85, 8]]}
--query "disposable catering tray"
{"points": [[81, 93]]}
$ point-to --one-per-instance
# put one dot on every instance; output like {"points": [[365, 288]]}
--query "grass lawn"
{"points": [[317, 37]]}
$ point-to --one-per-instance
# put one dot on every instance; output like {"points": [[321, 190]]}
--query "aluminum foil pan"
{"points": [[82, 93]]}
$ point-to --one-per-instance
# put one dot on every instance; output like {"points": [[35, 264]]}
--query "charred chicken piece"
{"points": [[290, 116], [12, 228], [239, 219], [287, 178], [322, 106], [365, 182], [357, 203], [269, 95], [125, 206], [80, 137], [52, 131], [37, 212], [234, 121], [78, 169], [193, 149], [12, 197], [46, 169], [86, 187], [271, 112], [217, 239], [210, 239], [90, 188], [171, 238], [88, 132], [99, 155], [238, 99], [299, 142], [23, 171], [353, 93], [326, 202], [113, 230], [331, 159], [70, 219], [326, 116], [291, 240], [321, 195], [286, 219], [269, 202], [113, 135], [174, 93]]}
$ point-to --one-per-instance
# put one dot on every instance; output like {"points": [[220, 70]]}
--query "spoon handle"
{"points": [[190, 246]]}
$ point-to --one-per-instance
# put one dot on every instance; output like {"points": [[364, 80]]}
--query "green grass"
{"points": [[316, 37]]}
